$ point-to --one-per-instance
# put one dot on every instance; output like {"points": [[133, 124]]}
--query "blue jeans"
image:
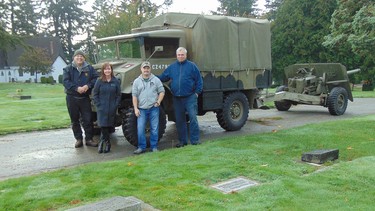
{"points": [[186, 104], [152, 116]]}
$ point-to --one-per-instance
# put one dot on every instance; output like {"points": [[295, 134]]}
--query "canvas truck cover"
{"points": [[222, 43]]}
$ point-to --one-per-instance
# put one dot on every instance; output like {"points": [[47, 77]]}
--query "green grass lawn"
{"points": [[180, 179], [45, 110]]}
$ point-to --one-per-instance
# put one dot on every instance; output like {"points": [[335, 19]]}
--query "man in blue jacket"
{"points": [[79, 78], [186, 85]]}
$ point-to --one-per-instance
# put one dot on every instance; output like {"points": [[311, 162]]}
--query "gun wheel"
{"points": [[129, 127], [282, 105], [337, 101], [235, 111]]}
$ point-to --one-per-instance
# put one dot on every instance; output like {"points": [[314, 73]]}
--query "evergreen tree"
{"points": [[272, 6], [7, 40], [67, 19], [298, 33], [23, 18], [352, 35]]}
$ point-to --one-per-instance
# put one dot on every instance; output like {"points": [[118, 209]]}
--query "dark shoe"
{"points": [[107, 147], [196, 143], [91, 143], [101, 145], [154, 150], [139, 151], [78, 144], [180, 145]]}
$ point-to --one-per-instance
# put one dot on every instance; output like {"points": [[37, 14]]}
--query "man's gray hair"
{"points": [[181, 49]]}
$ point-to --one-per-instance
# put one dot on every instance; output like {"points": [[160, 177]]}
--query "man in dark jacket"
{"points": [[186, 85], [79, 78]]}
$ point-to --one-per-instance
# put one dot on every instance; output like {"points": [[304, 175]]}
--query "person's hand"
{"points": [[82, 89], [136, 112], [85, 88], [156, 104]]}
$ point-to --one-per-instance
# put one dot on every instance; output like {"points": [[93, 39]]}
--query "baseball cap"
{"points": [[145, 64]]}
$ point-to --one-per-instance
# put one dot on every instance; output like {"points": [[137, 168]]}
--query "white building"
{"points": [[9, 69]]}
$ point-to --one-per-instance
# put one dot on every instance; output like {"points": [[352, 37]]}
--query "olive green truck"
{"points": [[233, 55]]}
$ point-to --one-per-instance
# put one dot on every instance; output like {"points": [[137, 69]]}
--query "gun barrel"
{"points": [[349, 72]]}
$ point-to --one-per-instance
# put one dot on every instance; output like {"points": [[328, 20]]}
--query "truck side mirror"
{"points": [[157, 48]]}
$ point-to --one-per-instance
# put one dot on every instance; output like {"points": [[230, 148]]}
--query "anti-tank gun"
{"points": [[324, 84]]}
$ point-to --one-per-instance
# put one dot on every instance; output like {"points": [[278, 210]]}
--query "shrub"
{"points": [[60, 79], [50, 80], [43, 80]]}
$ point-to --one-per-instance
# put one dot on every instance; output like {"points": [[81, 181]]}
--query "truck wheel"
{"points": [[129, 127], [337, 101], [235, 111], [282, 105]]}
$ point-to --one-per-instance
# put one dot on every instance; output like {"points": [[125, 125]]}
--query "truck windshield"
{"points": [[106, 50], [127, 49]]}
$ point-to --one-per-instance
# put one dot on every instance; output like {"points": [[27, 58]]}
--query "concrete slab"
{"points": [[117, 203], [234, 185]]}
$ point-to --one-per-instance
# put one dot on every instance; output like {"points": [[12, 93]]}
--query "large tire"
{"points": [[282, 105], [129, 127], [235, 111], [337, 101]]}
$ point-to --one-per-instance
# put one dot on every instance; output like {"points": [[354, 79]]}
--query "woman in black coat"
{"points": [[107, 96]]}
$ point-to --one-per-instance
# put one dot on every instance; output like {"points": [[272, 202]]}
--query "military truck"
{"points": [[233, 55], [323, 84]]}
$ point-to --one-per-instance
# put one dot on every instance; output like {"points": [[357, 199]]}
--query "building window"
{"points": [[2, 73], [9, 73], [20, 73], [32, 73]]}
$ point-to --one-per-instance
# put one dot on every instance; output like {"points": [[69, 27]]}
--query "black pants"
{"points": [[80, 107]]}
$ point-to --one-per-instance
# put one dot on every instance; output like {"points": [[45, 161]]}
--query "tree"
{"points": [[352, 35], [272, 6], [127, 15], [7, 40], [68, 19], [35, 60], [298, 33], [237, 8], [23, 18]]}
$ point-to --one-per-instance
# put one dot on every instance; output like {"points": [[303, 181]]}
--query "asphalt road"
{"points": [[31, 153]]}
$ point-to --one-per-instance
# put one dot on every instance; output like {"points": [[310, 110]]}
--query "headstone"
{"points": [[320, 156], [25, 97]]}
